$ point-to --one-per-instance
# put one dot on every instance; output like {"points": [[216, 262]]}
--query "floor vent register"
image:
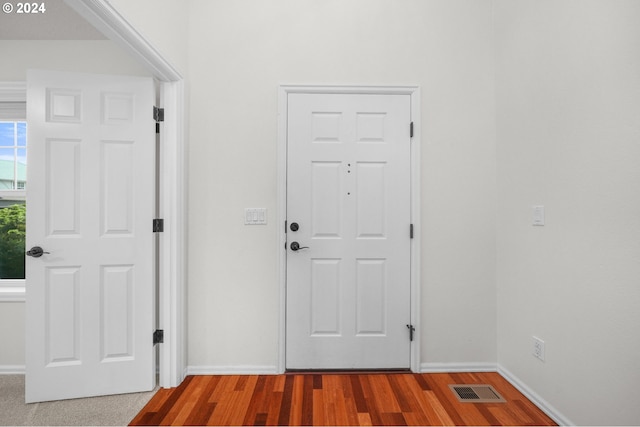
{"points": [[476, 393]]}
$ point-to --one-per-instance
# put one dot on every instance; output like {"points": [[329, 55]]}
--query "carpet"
{"points": [[117, 410]]}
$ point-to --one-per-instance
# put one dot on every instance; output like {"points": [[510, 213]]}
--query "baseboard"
{"points": [[428, 368], [544, 406], [12, 369], [232, 370]]}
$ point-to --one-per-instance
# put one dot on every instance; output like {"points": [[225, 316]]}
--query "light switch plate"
{"points": [[255, 216], [538, 215]]}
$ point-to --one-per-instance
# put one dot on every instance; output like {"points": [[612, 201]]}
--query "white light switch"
{"points": [[255, 216], [538, 215]]}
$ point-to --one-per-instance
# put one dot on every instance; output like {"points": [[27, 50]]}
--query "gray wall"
{"points": [[239, 52], [568, 114]]}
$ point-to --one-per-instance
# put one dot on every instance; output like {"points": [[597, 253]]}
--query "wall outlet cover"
{"points": [[538, 215], [538, 348]]}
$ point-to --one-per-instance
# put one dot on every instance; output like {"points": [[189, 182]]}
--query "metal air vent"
{"points": [[476, 393]]}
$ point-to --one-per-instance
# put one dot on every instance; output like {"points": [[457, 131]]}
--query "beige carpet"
{"points": [[116, 410]]}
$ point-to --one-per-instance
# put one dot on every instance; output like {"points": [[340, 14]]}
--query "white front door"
{"points": [[349, 211], [90, 204]]}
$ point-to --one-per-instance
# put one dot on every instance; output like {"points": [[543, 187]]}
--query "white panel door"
{"points": [[90, 204], [348, 193]]}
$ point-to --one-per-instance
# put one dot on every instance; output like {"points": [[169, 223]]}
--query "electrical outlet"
{"points": [[538, 348]]}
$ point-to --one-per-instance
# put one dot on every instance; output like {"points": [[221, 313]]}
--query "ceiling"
{"points": [[57, 22]]}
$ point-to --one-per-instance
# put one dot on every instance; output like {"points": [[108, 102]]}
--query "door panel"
{"points": [[325, 297], [62, 183], [116, 191], [117, 312], [371, 297], [62, 316], [348, 188], [90, 297], [326, 206], [371, 200]]}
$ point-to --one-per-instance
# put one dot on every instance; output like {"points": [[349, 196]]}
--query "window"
{"points": [[13, 155], [13, 186]]}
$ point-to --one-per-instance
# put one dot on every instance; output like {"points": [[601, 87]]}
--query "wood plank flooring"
{"points": [[336, 399]]}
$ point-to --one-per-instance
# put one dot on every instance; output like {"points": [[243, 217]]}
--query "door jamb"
{"points": [[414, 93], [173, 201]]}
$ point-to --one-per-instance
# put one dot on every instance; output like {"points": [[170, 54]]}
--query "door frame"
{"points": [[172, 185], [283, 96]]}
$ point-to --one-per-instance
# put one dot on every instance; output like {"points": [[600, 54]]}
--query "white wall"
{"points": [[239, 51], [100, 56], [95, 56], [12, 337], [568, 114]]}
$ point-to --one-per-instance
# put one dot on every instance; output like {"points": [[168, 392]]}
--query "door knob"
{"points": [[36, 252], [295, 246]]}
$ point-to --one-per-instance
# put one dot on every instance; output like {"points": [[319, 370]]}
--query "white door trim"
{"points": [[172, 309], [414, 93]]}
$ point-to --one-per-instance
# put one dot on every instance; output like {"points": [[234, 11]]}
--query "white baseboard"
{"points": [[12, 369], [232, 370], [544, 406], [427, 368], [273, 370]]}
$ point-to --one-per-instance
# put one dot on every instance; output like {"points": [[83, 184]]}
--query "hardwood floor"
{"points": [[336, 399]]}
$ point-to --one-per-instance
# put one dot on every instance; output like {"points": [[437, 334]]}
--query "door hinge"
{"points": [[158, 225], [411, 331], [158, 114], [411, 231], [411, 130], [158, 336]]}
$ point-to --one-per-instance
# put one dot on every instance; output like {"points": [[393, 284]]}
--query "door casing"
{"points": [[414, 93], [172, 186]]}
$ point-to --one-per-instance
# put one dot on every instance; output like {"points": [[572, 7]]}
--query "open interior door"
{"points": [[90, 204]]}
